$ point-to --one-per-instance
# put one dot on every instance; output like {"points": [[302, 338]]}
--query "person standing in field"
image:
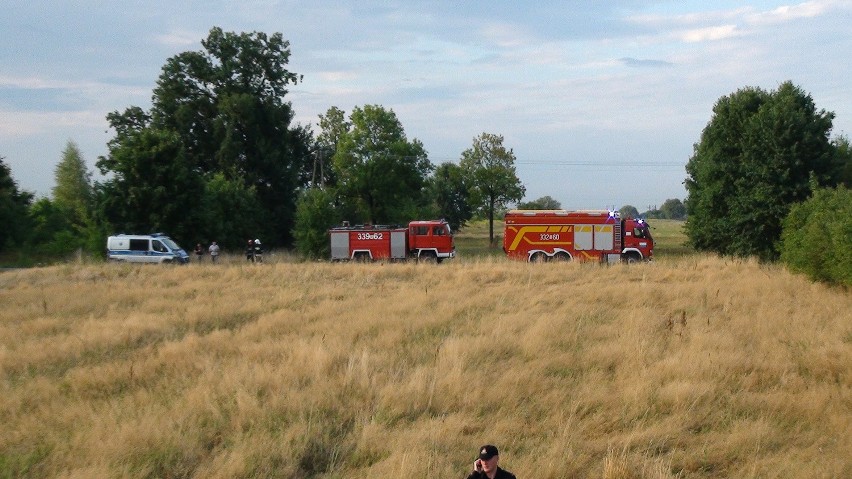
{"points": [[486, 466], [250, 251], [199, 252], [258, 251], [214, 251]]}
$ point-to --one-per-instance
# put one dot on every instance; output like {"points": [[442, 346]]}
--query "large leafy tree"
{"points": [[154, 185], [13, 210], [378, 169], [490, 168], [225, 108], [451, 195], [753, 162]]}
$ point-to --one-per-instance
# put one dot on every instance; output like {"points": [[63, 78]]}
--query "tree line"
{"points": [[218, 157]]}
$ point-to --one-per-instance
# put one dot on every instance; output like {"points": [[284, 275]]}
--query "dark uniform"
{"points": [[501, 474]]}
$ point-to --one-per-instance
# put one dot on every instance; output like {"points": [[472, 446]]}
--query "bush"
{"points": [[816, 236]]}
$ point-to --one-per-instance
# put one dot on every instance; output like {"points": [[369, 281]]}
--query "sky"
{"points": [[600, 101]]}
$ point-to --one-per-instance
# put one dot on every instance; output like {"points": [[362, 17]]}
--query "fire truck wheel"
{"points": [[632, 258], [562, 257], [427, 257], [538, 258]]}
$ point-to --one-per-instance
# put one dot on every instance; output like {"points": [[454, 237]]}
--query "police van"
{"points": [[153, 248]]}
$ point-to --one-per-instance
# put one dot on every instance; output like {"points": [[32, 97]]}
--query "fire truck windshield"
{"points": [[641, 231]]}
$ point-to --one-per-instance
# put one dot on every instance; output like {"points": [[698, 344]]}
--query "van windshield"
{"points": [[171, 244]]}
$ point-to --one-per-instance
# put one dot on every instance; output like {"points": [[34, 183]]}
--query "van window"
{"points": [[158, 246], [139, 245]]}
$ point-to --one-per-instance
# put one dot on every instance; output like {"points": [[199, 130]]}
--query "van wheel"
{"points": [[167, 261]]}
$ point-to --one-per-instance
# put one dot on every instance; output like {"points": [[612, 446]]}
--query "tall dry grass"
{"points": [[695, 367]]}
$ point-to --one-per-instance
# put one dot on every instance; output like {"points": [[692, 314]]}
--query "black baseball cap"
{"points": [[487, 451]]}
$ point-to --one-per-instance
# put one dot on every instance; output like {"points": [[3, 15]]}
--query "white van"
{"points": [[154, 248]]}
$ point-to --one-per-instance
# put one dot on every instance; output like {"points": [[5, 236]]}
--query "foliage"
{"points": [[752, 164], [817, 234], [450, 194], [673, 209], [218, 111], [13, 210], [543, 203], [843, 162], [154, 185], [52, 231], [73, 190], [315, 214], [490, 169], [231, 212], [378, 169], [334, 127], [628, 211]]}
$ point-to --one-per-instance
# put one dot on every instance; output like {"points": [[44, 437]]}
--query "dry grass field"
{"points": [[689, 367]]}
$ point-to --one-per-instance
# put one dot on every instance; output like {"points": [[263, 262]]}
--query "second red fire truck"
{"points": [[422, 240], [588, 235]]}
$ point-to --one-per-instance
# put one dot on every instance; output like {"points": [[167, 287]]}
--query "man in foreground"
{"points": [[486, 465]]}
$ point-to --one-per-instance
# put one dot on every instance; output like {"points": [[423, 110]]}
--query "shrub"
{"points": [[816, 236]]}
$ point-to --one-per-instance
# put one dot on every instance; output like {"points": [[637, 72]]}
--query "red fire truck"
{"points": [[422, 240], [589, 235]]}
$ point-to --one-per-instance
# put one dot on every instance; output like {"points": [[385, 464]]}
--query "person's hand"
{"points": [[477, 465]]}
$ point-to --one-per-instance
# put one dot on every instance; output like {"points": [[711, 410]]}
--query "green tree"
{"points": [[843, 161], [73, 189], [490, 168], [225, 105], [673, 209], [333, 127], [14, 205], [543, 203], [154, 187], [628, 211], [817, 234], [52, 233], [450, 195], [73, 197], [229, 212], [752, 164], [315, 214], [378, 169]]}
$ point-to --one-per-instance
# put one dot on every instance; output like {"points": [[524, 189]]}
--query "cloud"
{"points": [[637, 63], [697, 35], [180, 38], [787, 13]]}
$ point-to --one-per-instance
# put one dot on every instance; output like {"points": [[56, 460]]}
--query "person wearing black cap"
{"points": [[486, 465]]}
